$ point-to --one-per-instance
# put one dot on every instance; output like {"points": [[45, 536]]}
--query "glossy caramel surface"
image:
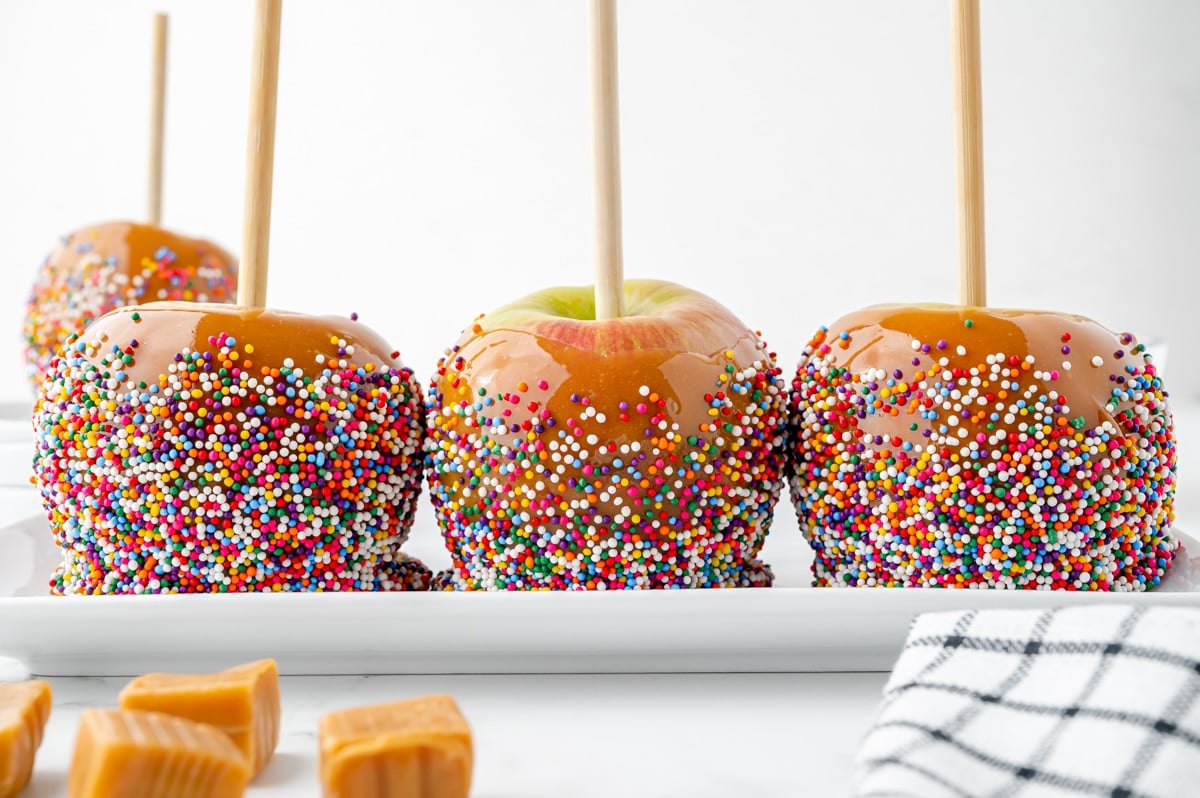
{"points": [[164, 329], [198, 269], [882, 337], [99, 268], [678, 344], [500, 360]]}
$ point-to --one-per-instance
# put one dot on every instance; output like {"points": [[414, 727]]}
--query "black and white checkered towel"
{"points": [[1100, 701]]}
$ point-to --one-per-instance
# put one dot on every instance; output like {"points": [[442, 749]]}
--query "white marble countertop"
{"points": [[575, 735], [588, 735]]}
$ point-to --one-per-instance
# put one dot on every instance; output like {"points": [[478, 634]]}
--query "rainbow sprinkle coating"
{"points": [[963, 466], [100, 268], [543, 479], [231, 469]]}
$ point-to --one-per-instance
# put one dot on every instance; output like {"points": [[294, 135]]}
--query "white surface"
{"points": [[574, 736], [793, 159]]}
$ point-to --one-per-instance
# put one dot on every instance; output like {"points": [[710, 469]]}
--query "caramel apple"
{"points": [[107, 266], [636, 452], [188, 447], [969, 447]]}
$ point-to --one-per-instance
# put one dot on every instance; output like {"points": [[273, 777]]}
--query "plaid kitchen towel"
{"points": [[1100, 701]]}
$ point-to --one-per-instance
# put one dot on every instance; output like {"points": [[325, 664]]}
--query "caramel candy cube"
{"points": [[153, 755], [24, 708], [419, 748], [242, 701]]}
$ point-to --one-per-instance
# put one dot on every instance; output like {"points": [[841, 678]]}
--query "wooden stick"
{"points": [[968, 149], [260, 156], [606, 157], [158, 99]]}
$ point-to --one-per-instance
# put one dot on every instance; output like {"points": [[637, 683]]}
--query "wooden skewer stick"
{"points": [[158, 100], [968, 149], [260, 156], [606, 156]]}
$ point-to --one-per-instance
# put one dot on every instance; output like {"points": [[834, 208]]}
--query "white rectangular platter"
{"points": [[784, 628], [790, 627]]}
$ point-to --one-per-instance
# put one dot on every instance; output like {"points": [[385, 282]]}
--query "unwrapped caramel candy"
{"points": [[420, 748], [24, 708], [242, 701], [153, 755]]}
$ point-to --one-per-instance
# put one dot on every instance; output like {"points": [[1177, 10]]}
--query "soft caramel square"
{"points": [[242, 701], [420, 748], [24, 709], [136, 754]]}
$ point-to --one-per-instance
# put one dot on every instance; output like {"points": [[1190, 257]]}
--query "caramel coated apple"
{"points": [[187, 447], [969, 447], [638, 452], [107, 266]]}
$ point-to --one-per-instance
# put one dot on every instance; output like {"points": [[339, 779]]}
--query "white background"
{"points": [[791, 158]]}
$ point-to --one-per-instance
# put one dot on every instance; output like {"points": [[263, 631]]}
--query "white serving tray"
{"points": [[790, 627], [784, 628]]}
